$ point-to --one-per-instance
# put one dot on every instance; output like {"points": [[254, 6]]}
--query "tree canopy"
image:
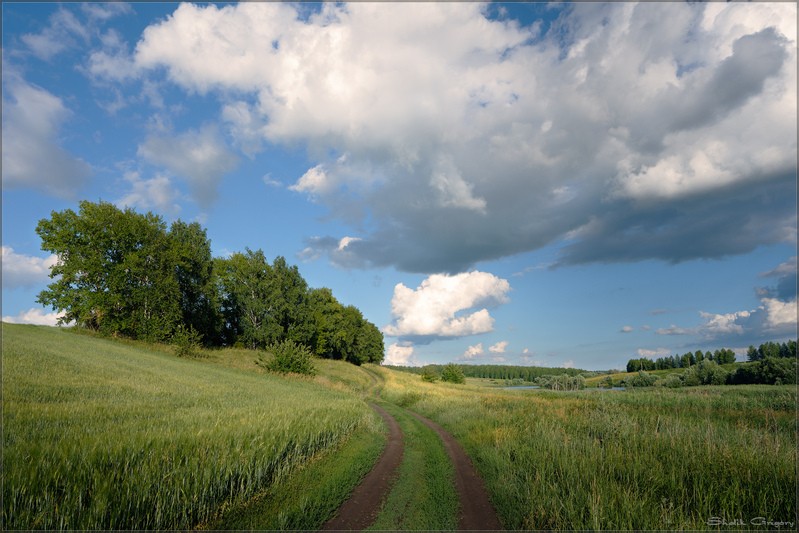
{"points": [[123, 273]]}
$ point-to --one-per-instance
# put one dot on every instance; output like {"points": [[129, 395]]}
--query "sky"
{"points": [[561, 185]]}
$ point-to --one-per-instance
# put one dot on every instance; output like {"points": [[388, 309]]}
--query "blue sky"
{"points": [[556, 185]]}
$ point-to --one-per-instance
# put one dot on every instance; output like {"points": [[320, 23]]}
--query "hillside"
{"points": [[107, 434]]}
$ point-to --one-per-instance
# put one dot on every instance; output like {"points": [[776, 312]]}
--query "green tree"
{"points": [[248, 293], [452, 373], [194, 271], [115, 272]]}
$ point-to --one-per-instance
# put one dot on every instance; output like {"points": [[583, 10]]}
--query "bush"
{"points": [[453, 374], [643, 379], [186, 341], [289, 357], [429, 375], [671, 381]]}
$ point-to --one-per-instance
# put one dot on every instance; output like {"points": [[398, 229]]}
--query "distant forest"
{"points": [[125, 274], [505, 372]]}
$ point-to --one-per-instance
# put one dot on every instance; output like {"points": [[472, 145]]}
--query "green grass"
{"points": [[102, 434], [424, 496], [646, 459]]}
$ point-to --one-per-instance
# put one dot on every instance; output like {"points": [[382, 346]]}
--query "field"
{"points": [[100, 434], [109, 434], [644, 459]]}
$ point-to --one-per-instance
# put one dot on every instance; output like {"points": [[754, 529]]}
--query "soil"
{"points": [[476, 511], [361, 509]]}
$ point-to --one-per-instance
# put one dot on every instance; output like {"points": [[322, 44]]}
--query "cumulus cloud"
{"points": [[32, 156], [155, 194], [446, 306], [400, 354], [473, 351], [21, 270], [35, 316], [198, 156], [486, 139], [627, 329], [780, 316], [498, 347]]}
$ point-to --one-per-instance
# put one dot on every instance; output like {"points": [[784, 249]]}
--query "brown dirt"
{"points": [[361, 509], [477, 513]]}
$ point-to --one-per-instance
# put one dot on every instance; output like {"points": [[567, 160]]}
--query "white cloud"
{"points": [[724, 324], [627, 329], [567, 364], [473, 351], [780, 315], [498, 347], [198, 156], [400, 354], [32, 157], [788, 268], [314, 181], [675, 330], [444, 305], [150, 194], [35, 316], [24, 270], [485, 139], [658, 352], [57, 36]]}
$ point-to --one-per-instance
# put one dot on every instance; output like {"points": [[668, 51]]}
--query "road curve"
{"points": [[362, 507]]}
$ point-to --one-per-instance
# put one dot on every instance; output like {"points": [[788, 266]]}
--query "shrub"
{"points": [[452, 373], [289, 357], [186, 341], [429, 375]]}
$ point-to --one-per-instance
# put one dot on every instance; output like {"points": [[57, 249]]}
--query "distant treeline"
{"points": [[722, 356], [506, 372], [123, 273]]}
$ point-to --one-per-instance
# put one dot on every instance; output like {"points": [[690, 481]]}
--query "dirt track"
{"points": [[476, 511], [362, 507]]}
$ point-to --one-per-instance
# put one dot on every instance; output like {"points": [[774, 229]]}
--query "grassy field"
{"points": [[103, 434], [643, 459], [111, 434]]}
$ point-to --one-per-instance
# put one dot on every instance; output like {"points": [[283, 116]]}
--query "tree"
{"points": [[248, 295], [452, 373], [115, 272], [194, 271]]}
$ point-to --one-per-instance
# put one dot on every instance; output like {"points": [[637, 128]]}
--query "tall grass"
{"points": [[646, 459], [103, 435]]}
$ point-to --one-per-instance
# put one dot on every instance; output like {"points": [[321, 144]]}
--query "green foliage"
{"points": [[115, 273], [452, 373], [187, 341], [289, 357], [429, 375], [563, 382], [121, 273], [642, 379]]}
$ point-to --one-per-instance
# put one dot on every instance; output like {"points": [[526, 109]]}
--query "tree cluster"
{"points": [[771, 349], [722, 356], [561, 382], [123, 273], [504, 372]]}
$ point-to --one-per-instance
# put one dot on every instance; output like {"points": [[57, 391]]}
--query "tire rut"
{"points": [[362, 507], [476, 511]]}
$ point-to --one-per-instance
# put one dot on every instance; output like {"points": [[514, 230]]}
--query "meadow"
{"points": [[112, 434], [104, 434], [641, 459]]}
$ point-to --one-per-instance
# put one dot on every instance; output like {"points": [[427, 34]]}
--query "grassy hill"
{"points": [[107, 434]]}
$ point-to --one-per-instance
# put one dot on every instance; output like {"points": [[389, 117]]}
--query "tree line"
{"points": [[123, 273], [721, 356], [506, 372]]}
